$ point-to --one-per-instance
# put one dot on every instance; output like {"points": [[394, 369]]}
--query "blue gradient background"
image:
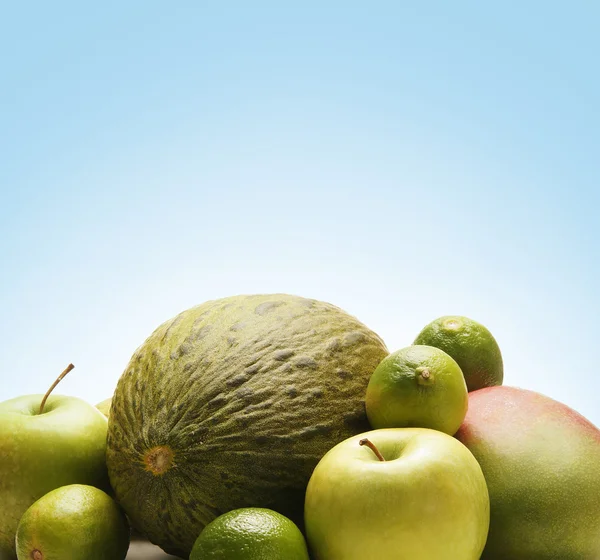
{"points": [[401, 160]]}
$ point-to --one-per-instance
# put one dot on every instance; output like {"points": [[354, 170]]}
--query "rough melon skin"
{"points": [[232, 404]]}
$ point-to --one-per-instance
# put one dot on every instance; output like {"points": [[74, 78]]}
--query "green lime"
{"points": [[471, 345], [74, 522], [250, 534], [419, 387]]}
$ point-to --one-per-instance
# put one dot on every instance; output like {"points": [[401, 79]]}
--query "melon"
{"points": [[232, 404]]}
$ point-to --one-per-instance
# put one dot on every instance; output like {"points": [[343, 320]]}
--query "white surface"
{"points": [[143, 550]]}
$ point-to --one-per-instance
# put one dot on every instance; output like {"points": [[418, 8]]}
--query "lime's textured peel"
{"points": [[420, 387], [74, 522], [472, 346], [250, 534]]}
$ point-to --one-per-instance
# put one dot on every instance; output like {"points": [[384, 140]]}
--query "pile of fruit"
{"points": [[274, 427]]}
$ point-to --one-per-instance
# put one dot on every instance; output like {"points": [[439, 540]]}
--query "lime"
{"points": [[419, 387], [75, 522], [471, 345], [250, 534]]}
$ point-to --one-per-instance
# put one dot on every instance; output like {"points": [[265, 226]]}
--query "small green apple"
{"points": [[402, 493], [104, 406], [45, 442]]}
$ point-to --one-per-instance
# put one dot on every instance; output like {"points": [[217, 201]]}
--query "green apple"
{"points": [[64, 444], [104, 406], [402, 493]]}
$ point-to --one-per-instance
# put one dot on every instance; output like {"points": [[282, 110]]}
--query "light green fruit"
{"points": [[74, 522], [104, 406], [418, 386], [471, 345], [250, 534], [66, 444], [427, 500], [231, 404]]}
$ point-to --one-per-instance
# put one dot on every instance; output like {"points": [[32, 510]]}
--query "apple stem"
{"points": [[58, 380], [371, 446]]}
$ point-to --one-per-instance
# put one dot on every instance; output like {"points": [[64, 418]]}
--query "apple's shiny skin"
{"points": [[427, 501], [66, 444]]}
